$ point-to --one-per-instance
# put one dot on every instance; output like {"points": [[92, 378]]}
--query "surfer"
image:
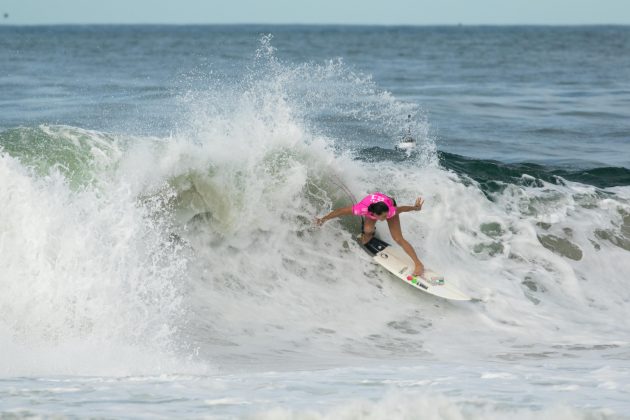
{"points": [[375, 207]]}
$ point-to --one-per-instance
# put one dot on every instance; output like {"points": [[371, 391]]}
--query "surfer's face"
{"points": [[380, 217]]}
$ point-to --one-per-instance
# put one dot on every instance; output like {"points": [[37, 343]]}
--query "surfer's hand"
{"points": [[419, 203], [319, 221]]}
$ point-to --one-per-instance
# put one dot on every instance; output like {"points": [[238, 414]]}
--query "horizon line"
{"points": [[459, 24]]}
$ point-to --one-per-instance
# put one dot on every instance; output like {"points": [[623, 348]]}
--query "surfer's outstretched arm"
{"points": [[342, 211], [416, 207]]}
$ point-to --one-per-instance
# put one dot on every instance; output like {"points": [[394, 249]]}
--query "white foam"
{"points": [[413, 406], [84, 277]]}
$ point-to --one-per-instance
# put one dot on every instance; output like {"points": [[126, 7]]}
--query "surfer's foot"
{"points": [[365, 238], [418, 270]]}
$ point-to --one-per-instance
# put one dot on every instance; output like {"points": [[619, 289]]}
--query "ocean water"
{"points": [[158, 257]]}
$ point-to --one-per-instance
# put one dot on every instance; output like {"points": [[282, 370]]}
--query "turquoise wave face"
{"points": [[488, 172], [82, 156]]}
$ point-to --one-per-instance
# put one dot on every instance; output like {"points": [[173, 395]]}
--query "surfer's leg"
{"points": [[369, 226], [396, 232]]}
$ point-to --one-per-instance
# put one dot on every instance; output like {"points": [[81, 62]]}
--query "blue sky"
{"points": [[387, 12]]}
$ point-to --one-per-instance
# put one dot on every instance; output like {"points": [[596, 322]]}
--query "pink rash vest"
{"points": [[361, 208]]}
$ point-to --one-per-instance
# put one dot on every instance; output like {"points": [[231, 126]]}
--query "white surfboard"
{"points": [[397, 262]]}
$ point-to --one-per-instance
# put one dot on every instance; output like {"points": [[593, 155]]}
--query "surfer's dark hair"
{"points": [[378, 208]]}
